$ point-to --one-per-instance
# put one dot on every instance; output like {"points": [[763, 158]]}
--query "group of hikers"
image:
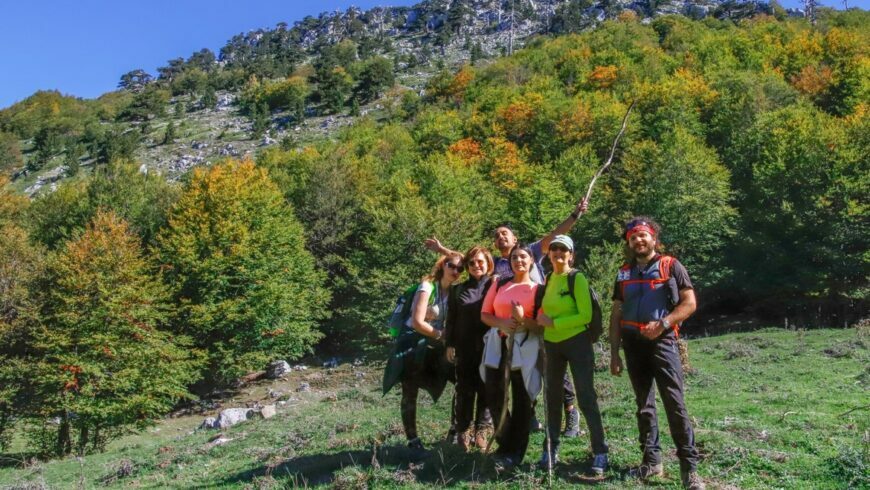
{"points": [[508, 328]]}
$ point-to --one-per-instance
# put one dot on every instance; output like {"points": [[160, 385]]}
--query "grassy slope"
{"points": [[768, 409]]}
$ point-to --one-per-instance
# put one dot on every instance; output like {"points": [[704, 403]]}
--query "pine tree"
{"points": [[169, 135]]}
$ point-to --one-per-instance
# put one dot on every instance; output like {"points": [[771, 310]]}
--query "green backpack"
{"points": [[402, 311]]}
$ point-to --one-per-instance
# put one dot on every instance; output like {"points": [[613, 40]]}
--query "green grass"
{"points": [[772, 409]]}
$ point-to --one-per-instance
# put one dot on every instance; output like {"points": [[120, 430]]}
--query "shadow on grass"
{"points": [[442, 465]]}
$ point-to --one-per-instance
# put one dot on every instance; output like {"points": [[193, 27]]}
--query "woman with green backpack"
{"points": [[566, 312], [427, 367]]}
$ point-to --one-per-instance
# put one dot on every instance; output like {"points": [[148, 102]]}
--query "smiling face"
{"points": [[504, 239], [642, 244], [560, 256], [452, 268], [521, 261], [478, 266]]}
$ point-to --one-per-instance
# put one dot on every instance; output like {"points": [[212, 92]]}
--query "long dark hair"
{"points": [[521, 247]]}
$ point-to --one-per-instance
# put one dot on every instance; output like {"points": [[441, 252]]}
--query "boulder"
{"points": [[233, 416], [303, 387], [268, 411], [278, 369], [209, 423]]}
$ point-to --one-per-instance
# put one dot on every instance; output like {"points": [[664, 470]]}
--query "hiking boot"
{"points": [[599, 464], [505, 462], [481, 436], [572, 423], [692, 480], [548, 459], [647, 470], [416, 444]]}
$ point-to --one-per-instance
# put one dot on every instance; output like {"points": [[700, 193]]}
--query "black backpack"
{"points": [[596, 325]]}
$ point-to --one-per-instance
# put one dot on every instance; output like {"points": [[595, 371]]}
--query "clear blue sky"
{"points": [[83, 47]]}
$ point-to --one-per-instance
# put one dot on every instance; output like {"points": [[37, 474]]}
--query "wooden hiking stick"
{"points": [[612, 152], [507, 378]]}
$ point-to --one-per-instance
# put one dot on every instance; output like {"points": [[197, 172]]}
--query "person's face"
{"points": [[477, 267], [504, 238], [521, 261], [559, 254], [642, 243], [452, 268]]}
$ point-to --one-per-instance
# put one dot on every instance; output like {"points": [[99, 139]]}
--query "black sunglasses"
{"points": [[456, 267], [560, 247]]}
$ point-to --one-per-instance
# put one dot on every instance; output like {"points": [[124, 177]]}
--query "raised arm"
{"points": [[565, 226], [434, 245]]}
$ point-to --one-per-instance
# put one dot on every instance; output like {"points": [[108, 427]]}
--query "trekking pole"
{"points": [[612, 152], [507, 377], [547, 415]]}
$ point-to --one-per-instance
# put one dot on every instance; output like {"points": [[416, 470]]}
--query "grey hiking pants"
{"points": [[576, 352]]}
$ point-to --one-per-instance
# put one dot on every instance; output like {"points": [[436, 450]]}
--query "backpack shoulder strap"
{"points": [[539, 294], [572, 276], [665, 263]]}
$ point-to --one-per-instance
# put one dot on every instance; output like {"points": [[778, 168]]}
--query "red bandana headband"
{"points": [[639, 228]]}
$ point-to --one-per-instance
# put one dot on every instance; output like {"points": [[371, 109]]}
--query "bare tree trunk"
{"points": [[64, 445]]}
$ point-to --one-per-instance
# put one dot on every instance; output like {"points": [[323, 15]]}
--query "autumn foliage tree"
{"points": [[234, 252], [104, 362]]}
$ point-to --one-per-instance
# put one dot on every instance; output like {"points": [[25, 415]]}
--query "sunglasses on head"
{"points": [[456, 267], [637, 222]]}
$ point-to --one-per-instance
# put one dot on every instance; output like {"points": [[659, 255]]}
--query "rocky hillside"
{"points": [[420, 41]]}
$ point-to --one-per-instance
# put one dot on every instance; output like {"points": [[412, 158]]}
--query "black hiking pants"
{"points": [[657, 362], [470, 394], [576, 352], [429, 375], [514, 439]]}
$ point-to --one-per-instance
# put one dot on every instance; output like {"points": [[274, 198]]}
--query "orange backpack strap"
{"points": [[665, 263]]}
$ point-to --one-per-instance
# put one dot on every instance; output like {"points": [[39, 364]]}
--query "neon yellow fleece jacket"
{"points": [[570, 316]]}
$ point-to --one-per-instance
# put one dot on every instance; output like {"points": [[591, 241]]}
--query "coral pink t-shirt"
{"points": [[500, 303]]}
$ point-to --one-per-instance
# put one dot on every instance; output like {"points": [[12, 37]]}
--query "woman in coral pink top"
{"points": [[509, 309]]}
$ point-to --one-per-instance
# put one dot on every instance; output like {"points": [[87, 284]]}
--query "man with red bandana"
{"points": [[652, 296]]}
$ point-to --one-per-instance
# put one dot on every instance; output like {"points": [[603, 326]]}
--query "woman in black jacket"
{"points": [[464, 337]]}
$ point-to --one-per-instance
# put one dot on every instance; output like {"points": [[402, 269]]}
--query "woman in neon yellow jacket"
{"points": [[565, 321]]}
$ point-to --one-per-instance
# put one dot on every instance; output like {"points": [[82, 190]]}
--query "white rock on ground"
{"points": [[277, 369], [233, 416], [268, 411]]}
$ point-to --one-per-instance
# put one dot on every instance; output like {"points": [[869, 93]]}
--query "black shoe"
{"points": [[572, 423], [416, 444], [505, 462]]}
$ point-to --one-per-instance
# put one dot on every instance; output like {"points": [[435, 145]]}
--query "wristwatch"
{"points": [[665, 323]]}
